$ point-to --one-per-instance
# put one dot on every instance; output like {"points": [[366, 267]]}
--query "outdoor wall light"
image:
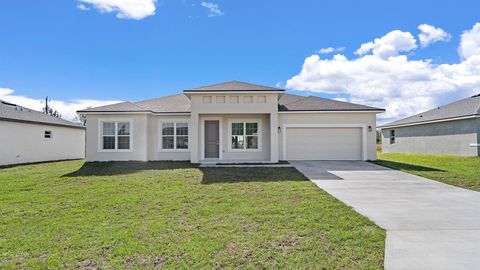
{"points": [[369, 128], [279, 129]]}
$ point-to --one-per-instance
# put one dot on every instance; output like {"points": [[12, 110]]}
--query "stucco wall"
{"points": [[154, 133], [443, 138], [139, 135], [255, 106], [366, 118], [23, 142], [232, 155]]}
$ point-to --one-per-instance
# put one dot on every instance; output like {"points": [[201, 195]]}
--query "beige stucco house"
{"points": [[231, 122]]}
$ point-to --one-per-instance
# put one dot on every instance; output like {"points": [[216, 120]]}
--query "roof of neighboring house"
{"points": [[180, 103], [289, 102], [16, 113], [462, 108], [233, 86]]}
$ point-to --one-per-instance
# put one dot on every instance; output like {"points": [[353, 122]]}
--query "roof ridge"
{"points": [[253, 85]]}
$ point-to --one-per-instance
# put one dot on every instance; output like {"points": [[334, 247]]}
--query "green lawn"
{"points": [[458, 171], [173, 215]]}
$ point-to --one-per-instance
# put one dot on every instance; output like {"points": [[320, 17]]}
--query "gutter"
{"points": [[39, 123]]}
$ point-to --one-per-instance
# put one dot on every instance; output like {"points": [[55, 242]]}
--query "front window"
{"points": [[174, 136], [116, 135], [244, 135]]}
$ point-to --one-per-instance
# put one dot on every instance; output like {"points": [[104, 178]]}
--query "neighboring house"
{"points": [[231, 122], [453, 129], [31, 136]]}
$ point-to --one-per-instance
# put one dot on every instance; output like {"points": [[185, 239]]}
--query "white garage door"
{"points": [[324, 143]]}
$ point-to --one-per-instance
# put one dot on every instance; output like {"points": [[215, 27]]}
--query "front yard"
{"points": [[458, 171], [173, 215]]}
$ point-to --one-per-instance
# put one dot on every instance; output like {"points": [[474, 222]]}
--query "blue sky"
{"points": [[57, 48]]}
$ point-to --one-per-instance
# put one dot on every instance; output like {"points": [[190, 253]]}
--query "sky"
{"points": [[404, 56]]}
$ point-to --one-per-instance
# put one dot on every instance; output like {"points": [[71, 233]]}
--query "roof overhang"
{"points": [[209, 92], [336, 111], [39, 123], [431, 121], [125, 112]]}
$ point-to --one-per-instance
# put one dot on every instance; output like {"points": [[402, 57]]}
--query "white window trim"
{"points": [[51, 135], [160, 135], [241, 120], [362, 126], [100, 134]]}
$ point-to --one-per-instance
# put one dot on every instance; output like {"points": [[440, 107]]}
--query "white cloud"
{"points": [[66, 108], [125, 9], [213, 9], [82, 7], [330, 50], [389, 45], [398, 84], [430, 34], [470, 42]]}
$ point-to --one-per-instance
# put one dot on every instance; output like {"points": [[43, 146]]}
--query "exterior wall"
{"points": [[24, 142], [443, 138], [334, 118], [154, 150], [261, 103], [227, 107], [139, 133], [232, 155]]}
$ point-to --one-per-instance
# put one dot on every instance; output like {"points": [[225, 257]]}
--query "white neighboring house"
{"points": [[231, 122], [31, 136]]}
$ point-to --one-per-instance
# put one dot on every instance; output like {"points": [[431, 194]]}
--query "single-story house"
{"points": [[31, 136], [453, 129], [231, 122]]}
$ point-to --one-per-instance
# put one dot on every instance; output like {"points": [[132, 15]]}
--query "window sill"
{"points": [[174, 150], [116, 151], [244, 150]]}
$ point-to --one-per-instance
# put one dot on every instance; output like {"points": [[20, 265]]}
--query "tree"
{"points": [[49, 110]]}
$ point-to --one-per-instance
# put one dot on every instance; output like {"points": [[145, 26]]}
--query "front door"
{"points": [[211, 139]]}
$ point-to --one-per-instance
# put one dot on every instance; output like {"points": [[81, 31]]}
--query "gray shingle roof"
{"points": [[177, 103], [233, 86], [289, 102], [461, 108], [117, 107], [15, 113], [180, 103]]}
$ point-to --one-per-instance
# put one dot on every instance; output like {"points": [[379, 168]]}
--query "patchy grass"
{"points": [[174, 215], [458, 171]]}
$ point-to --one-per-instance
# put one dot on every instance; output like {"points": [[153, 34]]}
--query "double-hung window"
{"points": [[245, 135], [116, 135], [174, 136]]}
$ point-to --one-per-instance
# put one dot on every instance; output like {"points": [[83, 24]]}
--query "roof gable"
{"points": [[233, 86], [461, 108]]}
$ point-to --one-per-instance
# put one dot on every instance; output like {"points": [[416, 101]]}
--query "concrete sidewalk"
{"points": [[430, 225]]}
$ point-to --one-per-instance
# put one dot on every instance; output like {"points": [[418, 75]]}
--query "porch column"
{"points": [[194, 138], [274, 137]]}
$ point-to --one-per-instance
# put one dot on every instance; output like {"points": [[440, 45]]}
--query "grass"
{"points": [[458, 171], [133, 215]]}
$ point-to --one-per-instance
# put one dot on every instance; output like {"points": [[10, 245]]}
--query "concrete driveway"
{"points": [[430, 225]]}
